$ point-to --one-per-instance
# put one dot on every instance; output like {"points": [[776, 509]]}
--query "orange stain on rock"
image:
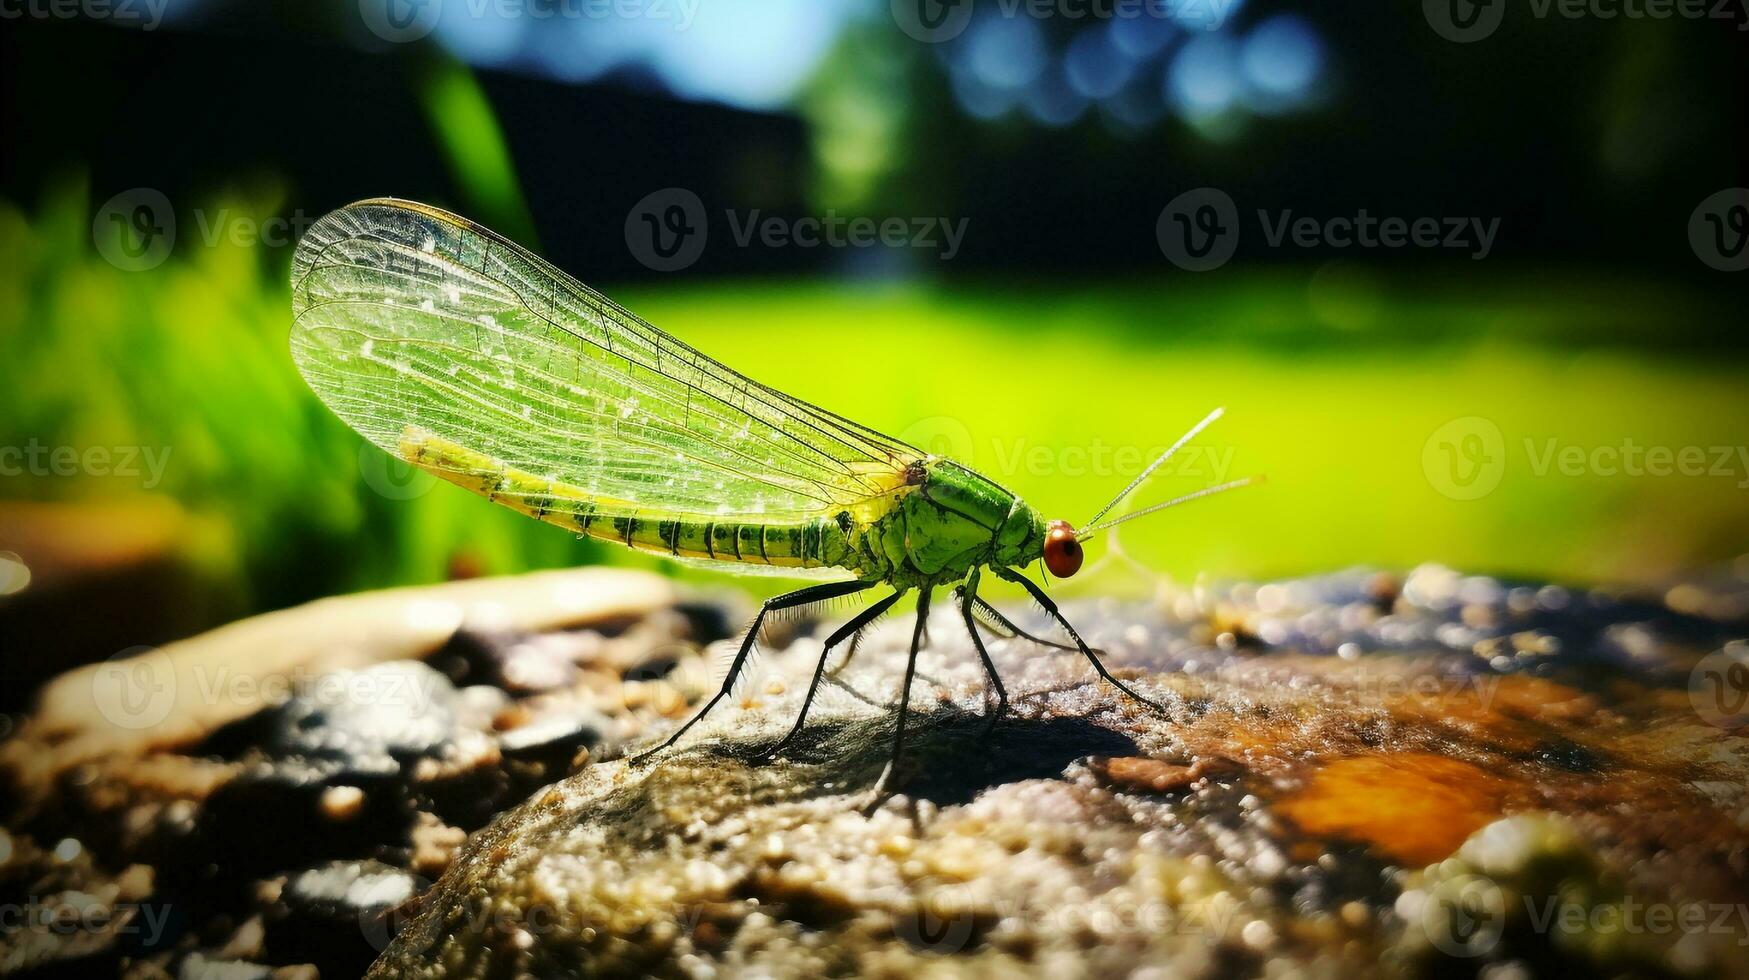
{"points": [[1414, 807], [1512, 712]]}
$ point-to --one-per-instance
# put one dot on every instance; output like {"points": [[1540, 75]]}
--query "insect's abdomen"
{"points": [[805, 543]]}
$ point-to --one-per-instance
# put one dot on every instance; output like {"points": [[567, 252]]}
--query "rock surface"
{"points": [[1451, 778], [1360, 775], [234, 771]]}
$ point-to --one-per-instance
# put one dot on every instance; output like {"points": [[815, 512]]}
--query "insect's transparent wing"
{"points": [[410, 318]]}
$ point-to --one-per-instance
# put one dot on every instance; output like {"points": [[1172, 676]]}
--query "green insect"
{"points": [[468, 356]]}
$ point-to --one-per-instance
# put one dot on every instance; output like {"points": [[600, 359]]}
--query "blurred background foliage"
{"points": [[1054, 353]]}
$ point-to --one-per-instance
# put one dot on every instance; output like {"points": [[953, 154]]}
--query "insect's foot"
{"points": [[892, 778], [649, 755], [771, 752], [1152, 705], [995, 719], [877, 797]]}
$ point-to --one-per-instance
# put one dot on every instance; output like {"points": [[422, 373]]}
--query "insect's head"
{"points": [[1063, 545], [1062, 550]]}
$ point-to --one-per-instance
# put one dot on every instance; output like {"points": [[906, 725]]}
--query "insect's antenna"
{"points": [[1156, 464], [1085, 533]]}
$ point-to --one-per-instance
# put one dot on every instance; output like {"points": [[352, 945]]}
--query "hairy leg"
{"points": [[849, 655], [968, 600], [853, 628], [800, 597], [905, 693], [1004, 627], [1080, 644]]}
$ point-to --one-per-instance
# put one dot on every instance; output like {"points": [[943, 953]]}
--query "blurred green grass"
{"points": [[1028, 383], [1335, 380]]}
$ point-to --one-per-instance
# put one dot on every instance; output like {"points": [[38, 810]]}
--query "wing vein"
{"points": [[407, 317]]}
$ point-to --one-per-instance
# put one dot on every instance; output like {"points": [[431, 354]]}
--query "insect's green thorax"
{"points": [[951, 521]]}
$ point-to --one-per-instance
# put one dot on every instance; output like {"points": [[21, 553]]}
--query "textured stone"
{"points": [[1353, 778], [1357, 774]]}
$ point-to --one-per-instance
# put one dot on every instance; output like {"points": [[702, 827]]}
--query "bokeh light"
{"points": [[1203, 79], [1053, 101], [1282, 59], [1207, 63], [1006, 52], [1142, 37], [753, 54], [1095, 65]]}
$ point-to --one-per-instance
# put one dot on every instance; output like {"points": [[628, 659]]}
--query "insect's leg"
{"points": [[850, 654], [1080, 644], [851, 629], [905, 693], [800, 597], [968, 599], [988, 614]]}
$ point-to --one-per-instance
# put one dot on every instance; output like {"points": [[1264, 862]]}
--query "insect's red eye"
{"points": [[1062, 551]]}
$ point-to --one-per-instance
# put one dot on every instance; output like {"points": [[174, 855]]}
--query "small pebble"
{"points": [[342, 803]]}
